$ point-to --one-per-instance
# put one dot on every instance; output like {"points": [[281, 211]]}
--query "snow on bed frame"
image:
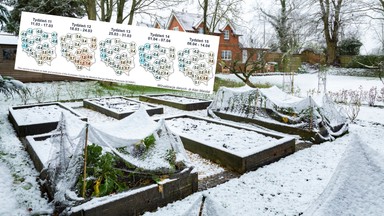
{"points": [[119, 107], [39, 118], [176, 101], [259, 148]]}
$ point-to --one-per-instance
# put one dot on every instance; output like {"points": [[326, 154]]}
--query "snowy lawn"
{"points": [[314, 180], [305, 83]]}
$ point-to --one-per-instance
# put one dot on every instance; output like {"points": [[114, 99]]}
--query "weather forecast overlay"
{"points": [[39, 45], [118, 55], [157, 60], [78, 49], [196, 65], [117, 52]]}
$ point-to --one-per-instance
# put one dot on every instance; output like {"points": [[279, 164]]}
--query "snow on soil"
{"points": [[119, 105], [39, 114], [205, 168], [219, 136], [177, 99], [295, 184]]}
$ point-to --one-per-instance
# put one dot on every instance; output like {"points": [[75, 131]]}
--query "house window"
{"points": [[176, 28], [201, 30], [226, 55], [226, 34], [245, 55], [9, 54]]}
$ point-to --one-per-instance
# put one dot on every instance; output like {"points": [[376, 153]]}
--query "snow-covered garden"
{"points": [[340, 177]]}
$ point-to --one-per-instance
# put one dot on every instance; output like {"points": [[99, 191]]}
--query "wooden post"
{"points": [[311, 114], [202, 206], [85, 161]]}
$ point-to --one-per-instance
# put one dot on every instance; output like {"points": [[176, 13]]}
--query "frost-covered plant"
{"points": [[354, 104], [87, 91], [103, 177], [72, 90], [311, 92], [8, 86], [98, 91], [56, 90], [382, 94], [372, 95], [297, 92], [39, 93], [341, 96], [25, 96]]}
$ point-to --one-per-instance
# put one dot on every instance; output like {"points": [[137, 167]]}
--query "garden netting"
{"points": [[124, 138], [271, 105], [206, 205]]}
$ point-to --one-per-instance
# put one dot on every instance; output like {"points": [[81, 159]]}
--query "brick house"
{"points": [[229, 45]]}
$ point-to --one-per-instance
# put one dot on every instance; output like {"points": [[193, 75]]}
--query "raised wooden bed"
{"points": [[304, 134], [241, 162], [119, 107], [133, 202], [192, 104], [22, 118]]}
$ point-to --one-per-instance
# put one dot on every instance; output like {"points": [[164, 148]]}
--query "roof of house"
{"points": [[8, 39], [186, 20], [191, 21], [161, 21]]}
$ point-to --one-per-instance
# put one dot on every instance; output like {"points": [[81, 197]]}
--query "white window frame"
{"points": [[226, 55], [244, 55], [176, 28], [226, 34], [201, 30]]}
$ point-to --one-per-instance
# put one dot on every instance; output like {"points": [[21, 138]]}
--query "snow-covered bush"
{"points": [[372, 96], [73, 91], [56, 90], [340, 96], [39, 93], [382, 94], [354, 104]]}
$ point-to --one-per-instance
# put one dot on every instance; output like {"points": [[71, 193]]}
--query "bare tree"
{"points": [[244, 70], [217, 11], [101, 10], [376, 6], [333, 15], [149, 7], [282, 23], [90, 8]]}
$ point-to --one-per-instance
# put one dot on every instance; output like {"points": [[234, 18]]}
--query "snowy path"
{"points": [[18, 175], [6, 184], [291, 185], [358, 179]]}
